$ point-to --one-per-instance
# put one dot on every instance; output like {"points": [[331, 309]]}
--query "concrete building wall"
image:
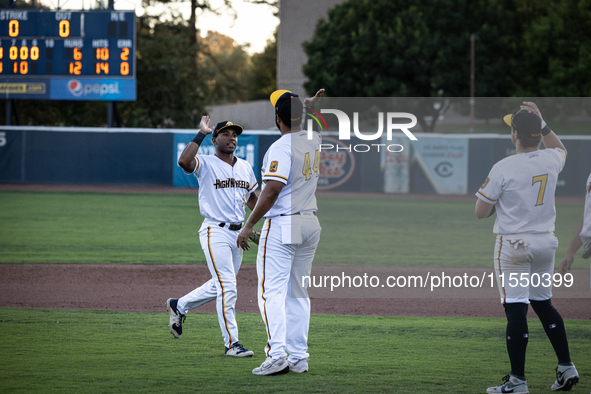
{"points": [[252, 115], [298, 19]]}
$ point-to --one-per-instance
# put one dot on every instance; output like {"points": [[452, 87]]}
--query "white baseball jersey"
{"points": [[295, 161], [586, 230], [224, 189], [223, 193], [522, 189], [288, 244]]}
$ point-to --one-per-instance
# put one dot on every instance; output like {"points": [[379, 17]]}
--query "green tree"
{"points": [[557, 48], [262, 78], [224, 67], [405, 48], [168, 94]]}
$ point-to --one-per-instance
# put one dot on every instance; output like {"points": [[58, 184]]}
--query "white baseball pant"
{"points": [[525, 262], [286, 251], [586, 230], [223, 260]]}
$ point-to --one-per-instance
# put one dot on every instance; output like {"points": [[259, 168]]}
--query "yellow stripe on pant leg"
{"points": [[221, 283], [499, 260], [263, 288]]}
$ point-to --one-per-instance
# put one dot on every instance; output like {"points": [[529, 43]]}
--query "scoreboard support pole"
{"points": [[11, 110], [110, 111], [110, 104], [8, 112]]}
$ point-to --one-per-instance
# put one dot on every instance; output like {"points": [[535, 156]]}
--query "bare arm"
{"points": [[574, 246], [483, 209], [187, 159], [551, 140], [265, 202], [252, 201], [311, 101]]}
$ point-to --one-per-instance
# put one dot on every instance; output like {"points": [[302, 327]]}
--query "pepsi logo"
{"points": [[75, 87]]}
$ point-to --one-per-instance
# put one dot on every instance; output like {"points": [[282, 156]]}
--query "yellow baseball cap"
{"points": [[276, 94]]}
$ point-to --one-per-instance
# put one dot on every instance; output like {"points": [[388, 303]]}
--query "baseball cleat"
{"points": [[587, 250], [512, 385], [566, 377], [176, 318], [237, 350], [272, 367], [299, 366]]}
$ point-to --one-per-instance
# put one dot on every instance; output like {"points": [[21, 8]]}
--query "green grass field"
{"points": [[57, 351], [38, 227]]}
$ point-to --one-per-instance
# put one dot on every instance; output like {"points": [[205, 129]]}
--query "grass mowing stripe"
{"points": [[99, 352], [162, 228]]}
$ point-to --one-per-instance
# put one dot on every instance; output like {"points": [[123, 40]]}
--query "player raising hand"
{"points": [[226, 186]]}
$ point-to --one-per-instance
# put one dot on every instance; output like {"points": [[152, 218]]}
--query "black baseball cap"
{"points": [[227, 125], [288, 110], [525, 122]]}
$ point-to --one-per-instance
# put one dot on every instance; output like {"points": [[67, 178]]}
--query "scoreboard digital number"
{"points": [[67, 55]]}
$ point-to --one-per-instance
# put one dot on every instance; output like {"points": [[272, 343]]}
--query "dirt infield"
{"points": [[145, 288]]}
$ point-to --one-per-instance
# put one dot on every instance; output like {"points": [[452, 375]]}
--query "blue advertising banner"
{"points": [[106, 89], [444, 161], [248, 149]]}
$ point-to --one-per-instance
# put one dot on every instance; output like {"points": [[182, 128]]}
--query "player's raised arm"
{"points": [[311, 101], [187, 159], [550, 139]]}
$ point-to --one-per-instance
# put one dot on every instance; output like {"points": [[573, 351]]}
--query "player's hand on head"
{"points": [[531, 106], [565, 264], [204, 125], [310, 101]]}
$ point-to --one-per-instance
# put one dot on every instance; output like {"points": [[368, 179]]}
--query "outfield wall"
{"points": [[434, 164]]}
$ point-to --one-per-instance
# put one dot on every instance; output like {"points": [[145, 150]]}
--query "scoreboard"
{"points": [[67, 55]]}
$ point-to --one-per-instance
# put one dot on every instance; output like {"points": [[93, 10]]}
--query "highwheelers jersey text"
{"points": [[224, 189]]}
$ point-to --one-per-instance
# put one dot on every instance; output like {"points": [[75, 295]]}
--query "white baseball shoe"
{"points": [[566, 377], [512, 385], [299, 366], [237, 350], [176, 318], [272, 367]]}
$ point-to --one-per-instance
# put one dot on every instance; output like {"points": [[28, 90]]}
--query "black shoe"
{"points": [[237, 350], [176, 319]]}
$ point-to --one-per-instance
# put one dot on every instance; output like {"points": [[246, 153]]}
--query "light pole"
{"points": [[472, 41]]}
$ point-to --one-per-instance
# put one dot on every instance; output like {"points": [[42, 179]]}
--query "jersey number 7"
{"points": [[543, 179]]}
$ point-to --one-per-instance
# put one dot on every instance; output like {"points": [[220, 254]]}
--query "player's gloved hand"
{"points": [[255, 236], [516, 242], [566, 263]]}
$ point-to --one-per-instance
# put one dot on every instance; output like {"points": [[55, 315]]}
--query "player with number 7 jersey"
{"points": [[521, 188]]}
